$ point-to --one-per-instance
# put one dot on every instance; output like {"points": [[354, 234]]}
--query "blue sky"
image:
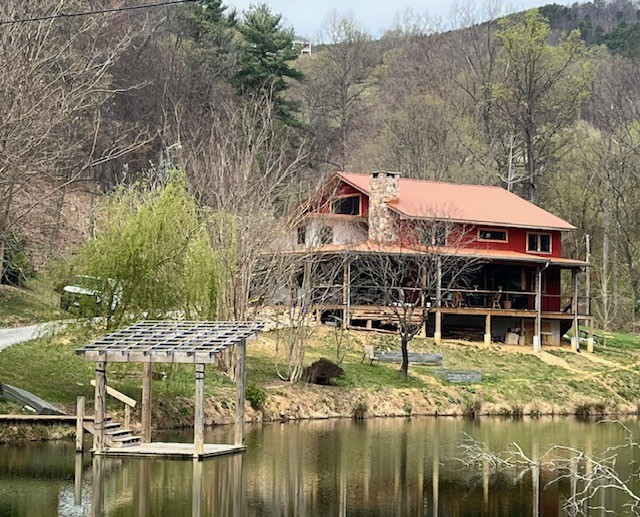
{"points": [[307, 16]]}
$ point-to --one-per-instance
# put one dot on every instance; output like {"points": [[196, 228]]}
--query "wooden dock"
{"points": [[172, 450]]}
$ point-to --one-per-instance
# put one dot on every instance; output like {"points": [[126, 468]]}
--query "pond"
{"points": [[332, 467]]}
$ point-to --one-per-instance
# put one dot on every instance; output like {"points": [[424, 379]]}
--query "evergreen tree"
{"points": [[265, 54]]}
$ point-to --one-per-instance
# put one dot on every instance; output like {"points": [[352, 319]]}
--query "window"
{"points": [[539, 242], [346, 205], [325, 236], [302, 235], [492, 235]]}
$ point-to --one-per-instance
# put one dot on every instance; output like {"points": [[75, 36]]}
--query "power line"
{"points": [[92, 13]]}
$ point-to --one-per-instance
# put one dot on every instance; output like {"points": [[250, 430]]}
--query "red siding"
{"points": [[516, 240]]}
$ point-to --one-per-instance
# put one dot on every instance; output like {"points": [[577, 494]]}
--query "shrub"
{"points": [[17, 266], [360, 409], [323, 372], [256, 396]]}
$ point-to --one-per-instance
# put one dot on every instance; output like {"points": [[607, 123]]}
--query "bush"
{"points": [[360, 409], [17, 265], [323, 372], [256, 396]]}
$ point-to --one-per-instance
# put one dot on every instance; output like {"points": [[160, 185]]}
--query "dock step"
{"points": [[115, 434]]}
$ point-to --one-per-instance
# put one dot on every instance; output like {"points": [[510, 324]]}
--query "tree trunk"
{"points": [[404, 369]]}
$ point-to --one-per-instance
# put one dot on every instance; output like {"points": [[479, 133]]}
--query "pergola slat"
{"points": [[173, 342]]}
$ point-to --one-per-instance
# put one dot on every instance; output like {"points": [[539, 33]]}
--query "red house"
{"points": [[520, 289]]}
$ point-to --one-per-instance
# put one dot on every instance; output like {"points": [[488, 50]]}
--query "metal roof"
{"points": [[170, 341], [474, 204]]}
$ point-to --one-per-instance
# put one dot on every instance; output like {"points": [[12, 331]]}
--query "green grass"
{"points": [[50, 368], [36, 303]]}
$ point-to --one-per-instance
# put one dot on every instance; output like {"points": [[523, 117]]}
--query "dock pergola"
{"points": [[156, 342]]}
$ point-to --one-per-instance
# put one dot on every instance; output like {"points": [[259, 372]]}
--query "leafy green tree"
{"points": [[265, 56], [154, 244], [543, 88]]}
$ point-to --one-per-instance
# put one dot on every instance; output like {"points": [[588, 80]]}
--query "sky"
{"points": [[375, 16]]}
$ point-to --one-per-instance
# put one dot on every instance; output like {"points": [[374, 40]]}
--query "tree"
{"points": [[412, 281], [265, 54], [154, 245], [56, 91], [543, 88], [338, 87]]}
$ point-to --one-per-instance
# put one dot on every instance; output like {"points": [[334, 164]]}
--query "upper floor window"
{"points": [[346, 205], [539, 242], [492, 235]]}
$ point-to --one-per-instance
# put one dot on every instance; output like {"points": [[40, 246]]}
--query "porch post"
{"points": [[438, 282], [100, 407], [575, 340], [590, 336], [537, 338], [346, 294], [241, 350], [147, 377], [487, 329], [437, 334], [198, 420]]}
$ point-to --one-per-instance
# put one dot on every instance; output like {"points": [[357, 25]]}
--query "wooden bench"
{"points": [[396, 357], [460, 376]]}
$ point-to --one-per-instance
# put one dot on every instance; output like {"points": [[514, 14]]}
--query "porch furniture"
{"points": [[495, 301], [458, 300], [369, 353]]}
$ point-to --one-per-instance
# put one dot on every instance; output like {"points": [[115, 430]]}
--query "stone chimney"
{"points": [[383, 188]]}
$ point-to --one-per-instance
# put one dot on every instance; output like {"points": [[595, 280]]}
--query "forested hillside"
{"points": [[544, 103]]}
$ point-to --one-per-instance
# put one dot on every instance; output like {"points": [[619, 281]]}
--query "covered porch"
{"points": [[538, 298]]}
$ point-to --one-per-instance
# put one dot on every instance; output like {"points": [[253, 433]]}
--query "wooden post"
{"points": [[487, 330], [575, 340], [437, 333], [77, 486], [198, 422], [147, 377], [127, 416], [346, 293], [241, 351], [80, 406], [537, 338], [438, 281], [100, 407], [196, 490], [97, 502], [590, 336], [587, 285]]}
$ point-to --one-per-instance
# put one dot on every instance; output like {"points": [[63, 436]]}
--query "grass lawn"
{"points": [[33, 304], [50, 368]]}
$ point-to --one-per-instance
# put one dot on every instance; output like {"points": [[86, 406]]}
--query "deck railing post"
{"points": [[80, 407]]}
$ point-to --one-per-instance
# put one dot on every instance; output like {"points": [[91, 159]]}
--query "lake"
{"points": [[331, 467]]}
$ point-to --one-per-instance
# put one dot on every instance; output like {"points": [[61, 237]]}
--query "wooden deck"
{"points": [[172, 450]]}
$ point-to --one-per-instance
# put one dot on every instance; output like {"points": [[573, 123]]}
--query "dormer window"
{"points": [[346, 205], [492, 235], [539, 242]]}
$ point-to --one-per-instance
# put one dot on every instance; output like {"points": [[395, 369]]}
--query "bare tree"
{"points": [[410, 280], [54, 91], [587, 473]]}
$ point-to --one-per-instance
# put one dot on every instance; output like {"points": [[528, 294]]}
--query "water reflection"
{"points": [[377, 467]]}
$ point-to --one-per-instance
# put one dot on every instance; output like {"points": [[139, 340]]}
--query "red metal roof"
{"points": [[476, 204]]}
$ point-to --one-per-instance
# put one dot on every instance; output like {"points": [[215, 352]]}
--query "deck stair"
{"points": [[115, 434]]}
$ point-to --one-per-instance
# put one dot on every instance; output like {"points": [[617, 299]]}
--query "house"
{"points": [[494, 261]]}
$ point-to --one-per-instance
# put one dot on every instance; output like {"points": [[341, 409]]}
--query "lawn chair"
{"points": [[369, 353], [458, 300], [495, 301]]}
